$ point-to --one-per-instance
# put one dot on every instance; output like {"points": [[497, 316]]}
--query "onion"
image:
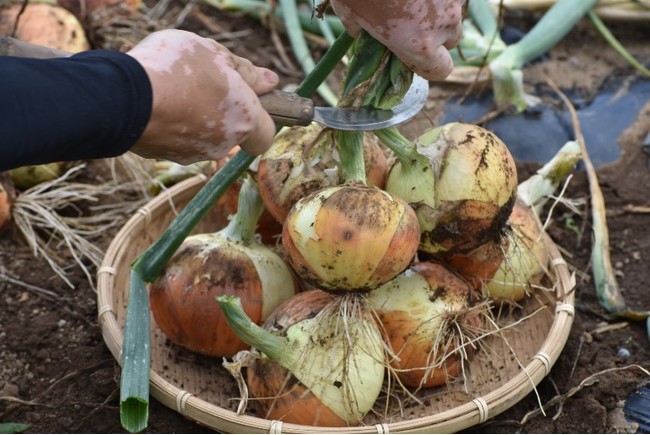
{"points": [[350, 238], [322, 359], [45, 24], [465, 196], [479, 265], [526, 258], [7, 196], [431, 321], [25, 177], [305, 159], [228, 261]]}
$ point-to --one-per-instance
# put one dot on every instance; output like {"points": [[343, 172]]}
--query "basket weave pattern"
{"points": [[512, 364]]}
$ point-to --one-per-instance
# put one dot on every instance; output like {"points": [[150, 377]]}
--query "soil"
{"points": [[57, 375]]}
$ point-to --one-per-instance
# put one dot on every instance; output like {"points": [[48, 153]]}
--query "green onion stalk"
{"points": [[507, 75], [377, 79], [481, 41], [134, 383]]}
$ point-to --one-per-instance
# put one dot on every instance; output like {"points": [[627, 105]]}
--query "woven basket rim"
{"points": [[454, 419]]}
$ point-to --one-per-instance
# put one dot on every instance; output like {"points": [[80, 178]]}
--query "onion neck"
{"points": [[249, 209], [405, 150], [350, 146], [275, 347]]}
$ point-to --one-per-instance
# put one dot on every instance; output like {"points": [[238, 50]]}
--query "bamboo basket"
{"points": [[200, 389]]}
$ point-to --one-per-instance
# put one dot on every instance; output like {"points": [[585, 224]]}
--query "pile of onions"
{"points": [[350, 238], [302, 160], [464, 191], [431, 319], [227, 262], [321, 359]]}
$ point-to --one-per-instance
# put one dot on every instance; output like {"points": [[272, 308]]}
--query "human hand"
{"points": [[204, 99], [419, 32]]}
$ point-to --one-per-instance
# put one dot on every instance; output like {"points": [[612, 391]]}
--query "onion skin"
{"points": [[182, 299], [474, 188], [526, 257], [479, 265], [412, 309], [350, 238], [45, 24], [284, 178], [7, 197], [279, 395]]}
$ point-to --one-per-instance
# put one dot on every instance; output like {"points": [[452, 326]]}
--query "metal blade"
{"points": [[373, 119]]}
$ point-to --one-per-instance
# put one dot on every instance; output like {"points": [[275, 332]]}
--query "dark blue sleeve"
{"points": [[91, 105]]}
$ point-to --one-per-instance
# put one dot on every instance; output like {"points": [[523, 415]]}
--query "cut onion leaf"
{"points": [[507, 76], [136, 353]]}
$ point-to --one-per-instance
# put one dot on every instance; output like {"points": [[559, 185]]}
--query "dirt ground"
{"points": [[57, 375]]}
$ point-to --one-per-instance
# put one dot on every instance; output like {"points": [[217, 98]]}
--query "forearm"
{"points": [[91, 105]]}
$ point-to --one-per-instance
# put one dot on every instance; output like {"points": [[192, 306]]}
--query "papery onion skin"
{"points": [[412, 309], [182, 299], [475, 185], [303, 160], [350, 238], [278, 394]]}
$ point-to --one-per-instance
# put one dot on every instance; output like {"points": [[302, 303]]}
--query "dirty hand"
{"points": [[204, 99], [419, 32]]}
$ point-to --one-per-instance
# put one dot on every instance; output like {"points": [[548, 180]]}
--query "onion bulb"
{"points": [[229, 261], [322, 359], [431, 320], [44, 24], [526, 257], [350, 238], [302, 160], [7, 196], [28, 176], [471, 190]]}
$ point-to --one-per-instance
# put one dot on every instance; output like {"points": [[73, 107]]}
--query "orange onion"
{"points": [[525, 260], [350, 238], [305, 159], [516, 264], [465, 194], [7, 196], [321, 358], [431, 320], [227, 262]]}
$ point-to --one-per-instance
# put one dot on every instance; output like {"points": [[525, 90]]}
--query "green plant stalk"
{"points": [[607, 289], [536, 190], [13, 427], [350, 146], [300, 48], [273, 346], [484, 18], [404, 149], [616, 45], [243, 224], [257, 9], [136, 354], [507, 77]]}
